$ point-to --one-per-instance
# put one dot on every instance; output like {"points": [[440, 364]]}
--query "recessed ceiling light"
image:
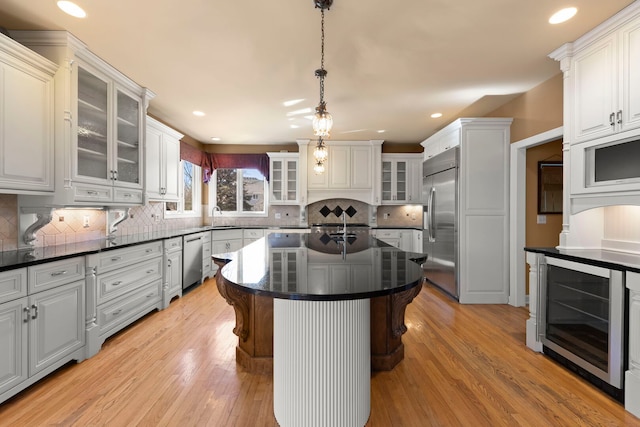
{"points": [[563, 15], [294, 126], [381, 131], [215, 138], [292, 102], [309, 117], [198, 113], [436, 115], [72, 9]]}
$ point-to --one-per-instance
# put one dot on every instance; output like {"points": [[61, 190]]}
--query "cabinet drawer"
{"points": [[119, 282], [92, 193], [119, 311], [110, 260], [253, 233], [127, 196], [227, 234], [56, 273], [13, 284], [206, 266], [388, 234], [206, 252], [206, 237], [173, 245]]}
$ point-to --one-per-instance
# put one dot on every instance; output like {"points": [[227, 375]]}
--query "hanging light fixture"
{"points": [[322, 121]]}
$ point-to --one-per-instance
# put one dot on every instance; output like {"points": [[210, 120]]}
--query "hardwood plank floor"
{"points": [[465, 365]]}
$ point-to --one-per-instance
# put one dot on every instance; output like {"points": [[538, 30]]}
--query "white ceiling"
{"points": [[390, 63]]}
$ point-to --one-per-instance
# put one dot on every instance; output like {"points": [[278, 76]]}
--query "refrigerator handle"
{"points": [[432, 235]]}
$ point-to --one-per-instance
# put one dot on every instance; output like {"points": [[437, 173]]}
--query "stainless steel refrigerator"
{"points": [[440, 220]]}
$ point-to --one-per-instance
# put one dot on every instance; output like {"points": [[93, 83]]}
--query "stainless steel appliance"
{"points": [[582, 320], [440, 220], [192, 260]]}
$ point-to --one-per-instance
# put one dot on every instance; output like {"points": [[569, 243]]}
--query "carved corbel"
{"points": [[240, 301], [114, 218], [31, 221], [399, 303]]}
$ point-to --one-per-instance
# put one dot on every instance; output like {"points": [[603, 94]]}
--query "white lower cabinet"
{"points": [[172, 284], [123, 285], [400, 238], [223, 241], [43, 330], [207, 262]]}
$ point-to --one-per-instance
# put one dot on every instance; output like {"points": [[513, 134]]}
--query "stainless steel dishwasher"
{"points": [[192, 259]]}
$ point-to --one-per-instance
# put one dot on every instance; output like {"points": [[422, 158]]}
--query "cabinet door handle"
{"points": [[169, 262], [35, 311], [611, 119], [118, 283], [26, 314], [58, 273], [619, 117], [115, 173]]}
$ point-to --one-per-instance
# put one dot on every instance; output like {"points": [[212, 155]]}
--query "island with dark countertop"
{"points": [[322, 310]]}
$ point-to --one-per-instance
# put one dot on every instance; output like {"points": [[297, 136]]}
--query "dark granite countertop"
{"points": [[368, 267], [23, 258], [601, 258]]}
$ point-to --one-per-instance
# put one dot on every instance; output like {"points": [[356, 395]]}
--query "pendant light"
{"points": [[322, 121]]}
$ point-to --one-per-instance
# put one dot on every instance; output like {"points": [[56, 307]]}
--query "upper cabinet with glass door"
{"points": [[401, 178], [99, 125], [284, 178]]}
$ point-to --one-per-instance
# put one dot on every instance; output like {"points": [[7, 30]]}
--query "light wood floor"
{"points": [[464, 366]]}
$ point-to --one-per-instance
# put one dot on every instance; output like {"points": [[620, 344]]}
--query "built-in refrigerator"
{"points": [[440, 220]]}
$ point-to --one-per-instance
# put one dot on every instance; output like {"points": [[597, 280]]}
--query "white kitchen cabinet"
{"points": [[26, 120], [172, 276], [99, 123], [122, 286], [162, 162], [602, 93], [400, 238], [44, 327], [207, 262], [401, 178], [353, 169], [284, 177], [440, 142], [223, 241], [417, 241], [250, 235]]}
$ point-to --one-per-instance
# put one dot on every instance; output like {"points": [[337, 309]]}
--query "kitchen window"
{"points": [[190, 193], [239, 192]]}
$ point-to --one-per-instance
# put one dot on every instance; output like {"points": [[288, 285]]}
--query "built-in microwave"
{"points": [[605, 165], [582, 320]]}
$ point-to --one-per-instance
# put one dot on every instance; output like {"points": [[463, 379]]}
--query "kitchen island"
{"points": [[326, 296]]}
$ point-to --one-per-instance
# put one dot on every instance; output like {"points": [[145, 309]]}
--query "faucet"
{"points": [[344, 223], [213, 211]]}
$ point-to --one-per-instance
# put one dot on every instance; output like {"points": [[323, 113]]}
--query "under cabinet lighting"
{"points": [[72, 9]]}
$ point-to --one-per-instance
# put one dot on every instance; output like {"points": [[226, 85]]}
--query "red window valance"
{"points": [[212, 161]]}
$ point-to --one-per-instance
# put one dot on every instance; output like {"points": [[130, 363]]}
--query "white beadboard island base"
{"points": [[321, 362]]}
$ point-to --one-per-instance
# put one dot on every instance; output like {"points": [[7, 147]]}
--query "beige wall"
{"points": [[535, 111]]}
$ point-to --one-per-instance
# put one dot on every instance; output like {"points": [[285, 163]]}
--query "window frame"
{"points": [[197, 195], [213, 193]]}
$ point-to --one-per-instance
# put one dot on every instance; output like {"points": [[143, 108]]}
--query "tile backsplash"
{"points": [[77, 225]]}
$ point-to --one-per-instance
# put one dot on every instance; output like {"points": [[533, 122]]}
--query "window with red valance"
{"points": [[212, 161]]}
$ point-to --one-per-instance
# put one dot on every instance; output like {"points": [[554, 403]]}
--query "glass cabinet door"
{"points": [[276, 180], [128, 139], [401, 181], [92, 153], [292, 180], [386, 181]]}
